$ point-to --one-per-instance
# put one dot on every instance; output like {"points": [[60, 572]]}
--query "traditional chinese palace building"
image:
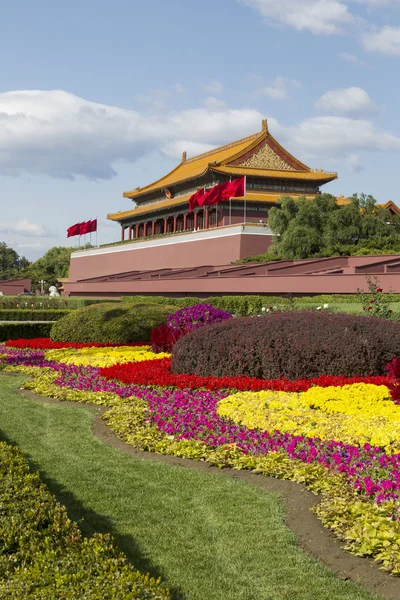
{"points": [[167, 250], [270, 170]]}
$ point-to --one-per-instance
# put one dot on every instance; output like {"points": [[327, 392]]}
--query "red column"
{"points": [[122, 233], [174, 224], [195, 221], [145, 230], [165, 225], [207, 218], [184, 222], [136, 231]]}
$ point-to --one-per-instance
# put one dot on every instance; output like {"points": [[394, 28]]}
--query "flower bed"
{"points": [[48, 344], [158, 374], [337, 435], [102, 357]]}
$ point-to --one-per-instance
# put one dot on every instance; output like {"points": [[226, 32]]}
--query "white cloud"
{"points": [[214, 104], [354, 164], [213, 87], [383, 41], [351, 59], [279, 89], [318, 16], [333, 136], [352, 101], [61, 135], [25, 228]]}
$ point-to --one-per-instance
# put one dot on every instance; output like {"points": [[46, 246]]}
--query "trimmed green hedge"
{"points": [[238, 305], [44, 555], [14, 331], [46, 314], [117, 323], [249, 305]]}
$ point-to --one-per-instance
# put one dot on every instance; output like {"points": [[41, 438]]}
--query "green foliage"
{"points": [[374, 302], [43, 554], [32, 315], [110, 322], [237, 305], [12, 266], [14, 331], [320, 228]]}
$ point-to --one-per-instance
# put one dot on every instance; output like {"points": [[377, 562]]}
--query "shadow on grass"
{"points": [[91, 522]]}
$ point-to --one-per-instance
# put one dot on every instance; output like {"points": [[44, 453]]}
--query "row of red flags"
{"points": [[82, 228], [218, 193]]}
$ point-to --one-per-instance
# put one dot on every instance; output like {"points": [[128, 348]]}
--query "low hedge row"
{"points": [[46, 314], [241, 306], [44, 555], [49, 303], [291, 345], [15, 331], [110, 322]]}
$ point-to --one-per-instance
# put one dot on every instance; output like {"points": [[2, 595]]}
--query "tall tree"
{"points": [[11, 264]]}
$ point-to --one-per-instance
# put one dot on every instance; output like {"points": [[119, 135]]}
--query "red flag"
{"points": [[196, 199], [92, 225], [224, 191], [234, 188], [74, 230], [84, 227]]}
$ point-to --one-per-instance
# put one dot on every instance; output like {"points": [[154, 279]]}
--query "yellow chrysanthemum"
{"points": [[103, 357], [355, 414]]}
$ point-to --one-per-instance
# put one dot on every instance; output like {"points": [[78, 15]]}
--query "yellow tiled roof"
{"points": [[221, 159], [180, 200], [304, 175], [195, 166]]}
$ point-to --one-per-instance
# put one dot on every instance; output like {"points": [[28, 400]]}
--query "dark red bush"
{"points": [[291, 345], [163, 339], [393, 369]]}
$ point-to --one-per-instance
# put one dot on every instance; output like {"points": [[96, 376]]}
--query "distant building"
{"points": [[271, 171]]}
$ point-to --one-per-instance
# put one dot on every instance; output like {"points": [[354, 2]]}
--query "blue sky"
{"points": [[99, 97]]}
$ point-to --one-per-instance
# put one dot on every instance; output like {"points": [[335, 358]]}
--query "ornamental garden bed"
{"points": [[334, 429]]}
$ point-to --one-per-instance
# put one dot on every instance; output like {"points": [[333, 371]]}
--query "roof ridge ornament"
{"points": [[264, 125], [184, 156]]}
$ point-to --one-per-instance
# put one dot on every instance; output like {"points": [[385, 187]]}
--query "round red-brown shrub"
{"points": [[292, 345]]}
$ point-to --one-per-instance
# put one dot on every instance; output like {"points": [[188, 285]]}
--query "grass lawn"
{"points": [[209, 537]]}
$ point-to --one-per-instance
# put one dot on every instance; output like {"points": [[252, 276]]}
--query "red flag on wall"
{"points": [[74, 230], [88, 226], [196, 199], [224, 191], [92, 225], [234, 188]]}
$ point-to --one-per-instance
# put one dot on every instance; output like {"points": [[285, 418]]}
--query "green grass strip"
{"points": [[208, 537]]}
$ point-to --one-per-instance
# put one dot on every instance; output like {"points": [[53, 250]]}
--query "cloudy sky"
{"points": [[98, 97]]}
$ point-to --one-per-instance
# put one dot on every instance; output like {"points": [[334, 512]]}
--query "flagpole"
{"points": [[96, 231], [230, 211], [245, 185]]}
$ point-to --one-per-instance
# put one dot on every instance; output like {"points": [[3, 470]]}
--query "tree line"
{"points": [[319, 227], [51, 266]]}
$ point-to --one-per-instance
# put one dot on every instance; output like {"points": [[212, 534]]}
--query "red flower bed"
{"points": [[158, 373], [47, 344]]}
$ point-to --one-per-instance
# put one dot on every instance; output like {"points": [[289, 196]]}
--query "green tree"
{"points": [[52, 265], [11, 264]]}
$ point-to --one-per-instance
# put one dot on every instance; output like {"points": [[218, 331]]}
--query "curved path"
{"points": [[298, 501]]}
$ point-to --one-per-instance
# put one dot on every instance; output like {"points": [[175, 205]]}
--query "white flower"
{"points": [[319, 307], [263, 309], [326, 305], [274, 307]]}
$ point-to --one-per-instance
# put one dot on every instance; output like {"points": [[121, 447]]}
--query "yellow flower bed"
{"points": [[103, 357], [354, 414]]}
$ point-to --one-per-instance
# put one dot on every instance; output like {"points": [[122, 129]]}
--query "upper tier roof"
{"points": [[258, 154]]}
